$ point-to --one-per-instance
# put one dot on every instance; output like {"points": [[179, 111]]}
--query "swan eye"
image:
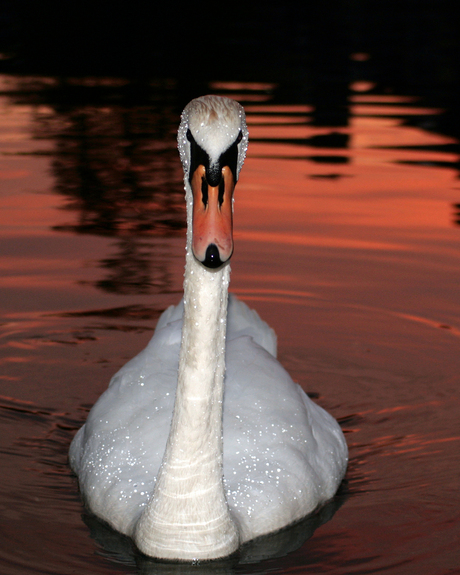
{"points": [[239, 137], [197, 155]]}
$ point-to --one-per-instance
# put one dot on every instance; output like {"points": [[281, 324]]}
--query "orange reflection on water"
{"points": [[375, 110], [376, 197], [305, 240], [347, 248]]}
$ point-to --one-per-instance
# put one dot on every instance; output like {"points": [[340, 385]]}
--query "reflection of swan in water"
{"points": [[275, 546], [151, 461]]}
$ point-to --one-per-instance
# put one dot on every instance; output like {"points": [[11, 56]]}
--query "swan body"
{"points": [[203, 442]]}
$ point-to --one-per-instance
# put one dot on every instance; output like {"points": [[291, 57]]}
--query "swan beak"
{"points": [[212, 241]]}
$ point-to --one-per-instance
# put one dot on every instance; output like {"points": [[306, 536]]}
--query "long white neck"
{"points": [[188, 517]]}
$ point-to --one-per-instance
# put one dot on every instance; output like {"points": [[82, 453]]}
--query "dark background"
{"points": [[303, 46]]}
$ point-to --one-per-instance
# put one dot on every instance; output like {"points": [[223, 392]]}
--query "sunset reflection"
{"points": [[374, 190], [346, 242]]}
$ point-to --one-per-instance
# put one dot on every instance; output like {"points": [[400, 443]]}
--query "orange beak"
{"points": [[212, 241]]}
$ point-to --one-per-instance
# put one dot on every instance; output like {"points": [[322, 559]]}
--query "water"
{"points": [[346, 242]]}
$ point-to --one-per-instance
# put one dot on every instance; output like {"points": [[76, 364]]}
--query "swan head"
{"points": [[212, 141]]}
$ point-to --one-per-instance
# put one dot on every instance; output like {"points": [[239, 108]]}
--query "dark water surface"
{"points": [[346, 242]]}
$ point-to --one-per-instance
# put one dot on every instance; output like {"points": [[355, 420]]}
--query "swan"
{"points": [[203, 442]]}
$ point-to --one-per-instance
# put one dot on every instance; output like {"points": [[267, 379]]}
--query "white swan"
{"points": [[195, 472]]}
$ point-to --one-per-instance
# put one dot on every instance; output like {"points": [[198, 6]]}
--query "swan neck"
{"points": [[204, 327], [188, 516]]}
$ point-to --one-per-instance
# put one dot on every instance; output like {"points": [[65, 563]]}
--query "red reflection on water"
{"points": [[374, 200], [348, 251]]}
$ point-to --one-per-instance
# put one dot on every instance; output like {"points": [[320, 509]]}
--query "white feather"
{"points": [[170, 482]]}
